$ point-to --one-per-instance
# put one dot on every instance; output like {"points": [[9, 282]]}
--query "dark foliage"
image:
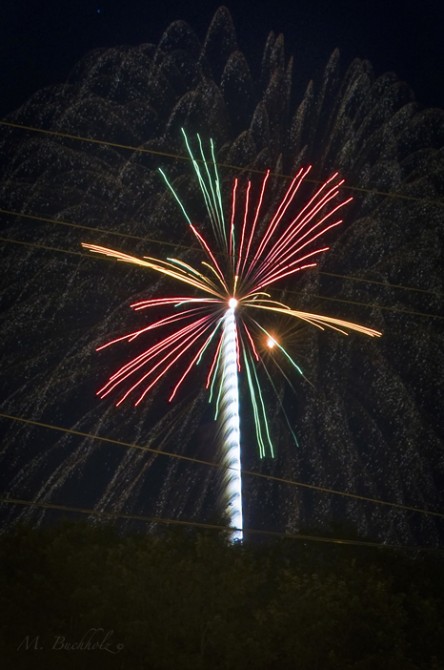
{"points": [[193, 601]]}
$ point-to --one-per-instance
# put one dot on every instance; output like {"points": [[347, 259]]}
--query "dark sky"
{"points": [[40, 41]]}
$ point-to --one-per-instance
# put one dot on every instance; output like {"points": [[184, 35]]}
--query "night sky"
{"points": [[58, 307], [41, 42]]}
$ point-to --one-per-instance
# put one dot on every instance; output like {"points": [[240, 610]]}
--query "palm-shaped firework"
{"points": [[245, 257]]}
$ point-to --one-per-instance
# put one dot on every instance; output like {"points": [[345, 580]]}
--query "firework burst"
{"points": [[246, 254]]}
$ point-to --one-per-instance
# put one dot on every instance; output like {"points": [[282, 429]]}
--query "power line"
{"points": [[371, 305], [152, 240], [34, 245], [109, 440], [91, 229], [380, 283], [212, 464], [209, 526], [228, 166]]}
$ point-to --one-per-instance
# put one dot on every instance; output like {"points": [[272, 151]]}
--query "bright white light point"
{"points": [[232, 303], [271, 343]]}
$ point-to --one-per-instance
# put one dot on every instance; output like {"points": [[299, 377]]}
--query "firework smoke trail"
{"points": [[230, 287]]}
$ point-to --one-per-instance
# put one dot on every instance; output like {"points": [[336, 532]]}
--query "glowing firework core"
{"points": [[271, 342], [232, 303]]}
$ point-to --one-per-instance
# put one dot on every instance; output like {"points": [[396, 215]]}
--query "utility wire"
{"points": [[166, 154], [34, 245], [380, 283], [152, 240], [109, 440], [91, 229], [212, 464], [209, 526]]}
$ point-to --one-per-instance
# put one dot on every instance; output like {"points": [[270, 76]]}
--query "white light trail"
{"points": [[231, 423]]}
